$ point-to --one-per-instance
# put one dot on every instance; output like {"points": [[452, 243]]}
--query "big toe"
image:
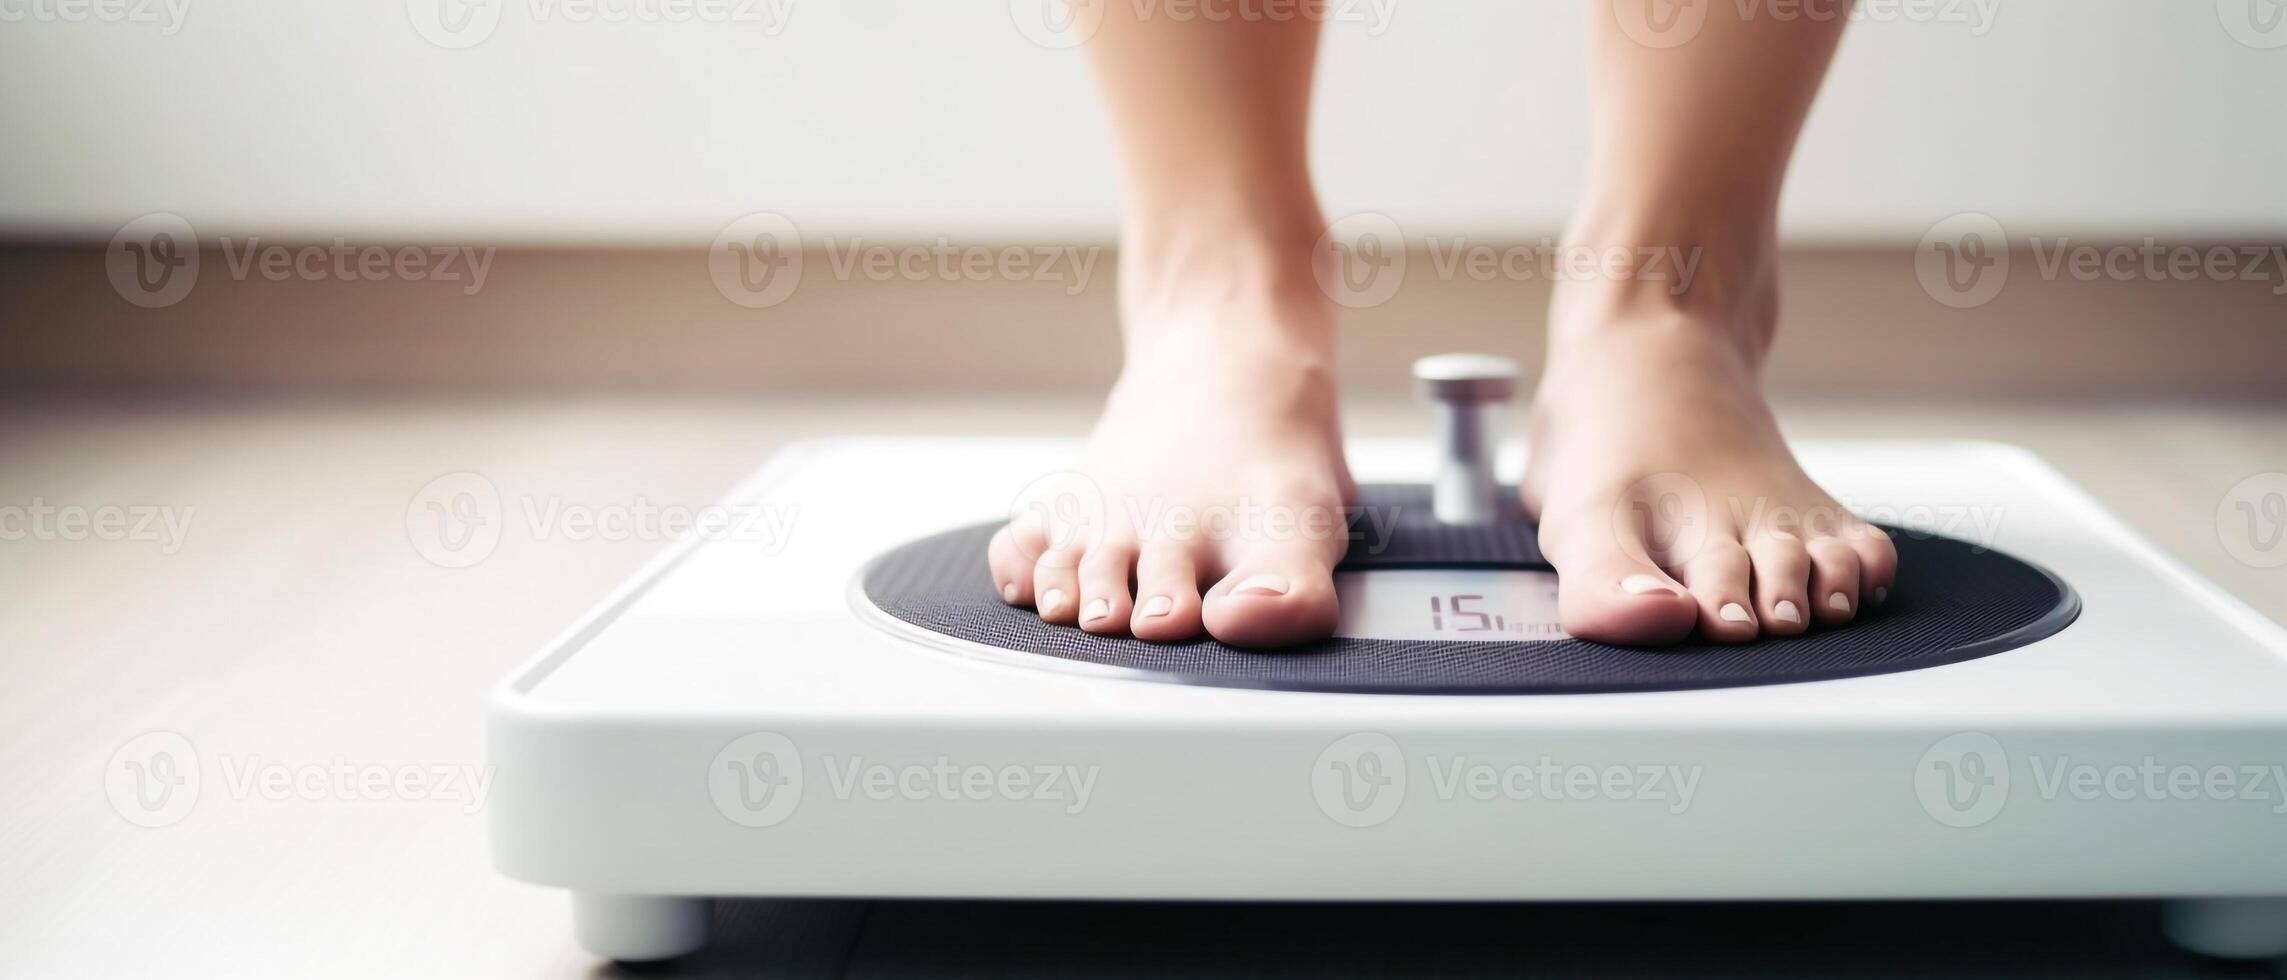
{"points": [[1274, 598], [1607, 595]]}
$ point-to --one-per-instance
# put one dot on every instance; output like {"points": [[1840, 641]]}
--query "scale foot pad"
{"points": [[1953, 601]]}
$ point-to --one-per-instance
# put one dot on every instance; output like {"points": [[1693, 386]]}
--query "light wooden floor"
{"points": [[297, 625]]}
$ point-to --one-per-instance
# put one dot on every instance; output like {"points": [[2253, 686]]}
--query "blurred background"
{"points": [[270, 271], [593, 150]]}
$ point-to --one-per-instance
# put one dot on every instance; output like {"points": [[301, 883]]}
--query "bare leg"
{"points": [[1218, 460], [1667, 499]]}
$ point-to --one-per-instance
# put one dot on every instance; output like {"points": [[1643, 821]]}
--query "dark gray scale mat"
{"points": [[1953, 602]]}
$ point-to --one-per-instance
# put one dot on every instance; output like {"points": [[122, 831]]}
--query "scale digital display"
{"points": [[1461, 604]]}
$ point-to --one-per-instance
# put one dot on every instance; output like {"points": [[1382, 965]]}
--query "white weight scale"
{"points": [[743, 720]]}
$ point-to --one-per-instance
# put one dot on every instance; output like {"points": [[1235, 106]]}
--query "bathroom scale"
{"points": [[821, 696]]}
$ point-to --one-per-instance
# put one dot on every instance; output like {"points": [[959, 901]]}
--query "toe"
{"points": [[1277, 596], [1012, 571], [1877, 562], [1834, 581], [1720, 580], [1056, 586], [1104, 603], [1782, 579], [1607, 592], [1167, 594]]}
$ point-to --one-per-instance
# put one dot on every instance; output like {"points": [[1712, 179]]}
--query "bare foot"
{"points": [[1666, 497], [1214, 482]]}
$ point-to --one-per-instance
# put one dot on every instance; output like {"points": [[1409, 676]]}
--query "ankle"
{"points": [[1238, 279], [1668, 272]]}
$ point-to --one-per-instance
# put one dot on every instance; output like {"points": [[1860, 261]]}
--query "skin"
{"points": [[1666, 498]]}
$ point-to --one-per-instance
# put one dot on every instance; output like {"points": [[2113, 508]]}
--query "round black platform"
{"points": [[1953, 602]]}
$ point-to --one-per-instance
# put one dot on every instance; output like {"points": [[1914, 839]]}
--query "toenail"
{"points": [[1097, 609], [1641, 584], [1786, 612], [1838, 601], [1008, 593], [1881, 594], [1733, 612], [1158, 605], [1052, 600], [1264, 584]]}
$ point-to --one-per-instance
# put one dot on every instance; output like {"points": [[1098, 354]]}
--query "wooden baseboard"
{"points": [[1856, 321]]}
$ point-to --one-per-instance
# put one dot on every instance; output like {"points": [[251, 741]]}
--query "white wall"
{"points": [[922, 118]]}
